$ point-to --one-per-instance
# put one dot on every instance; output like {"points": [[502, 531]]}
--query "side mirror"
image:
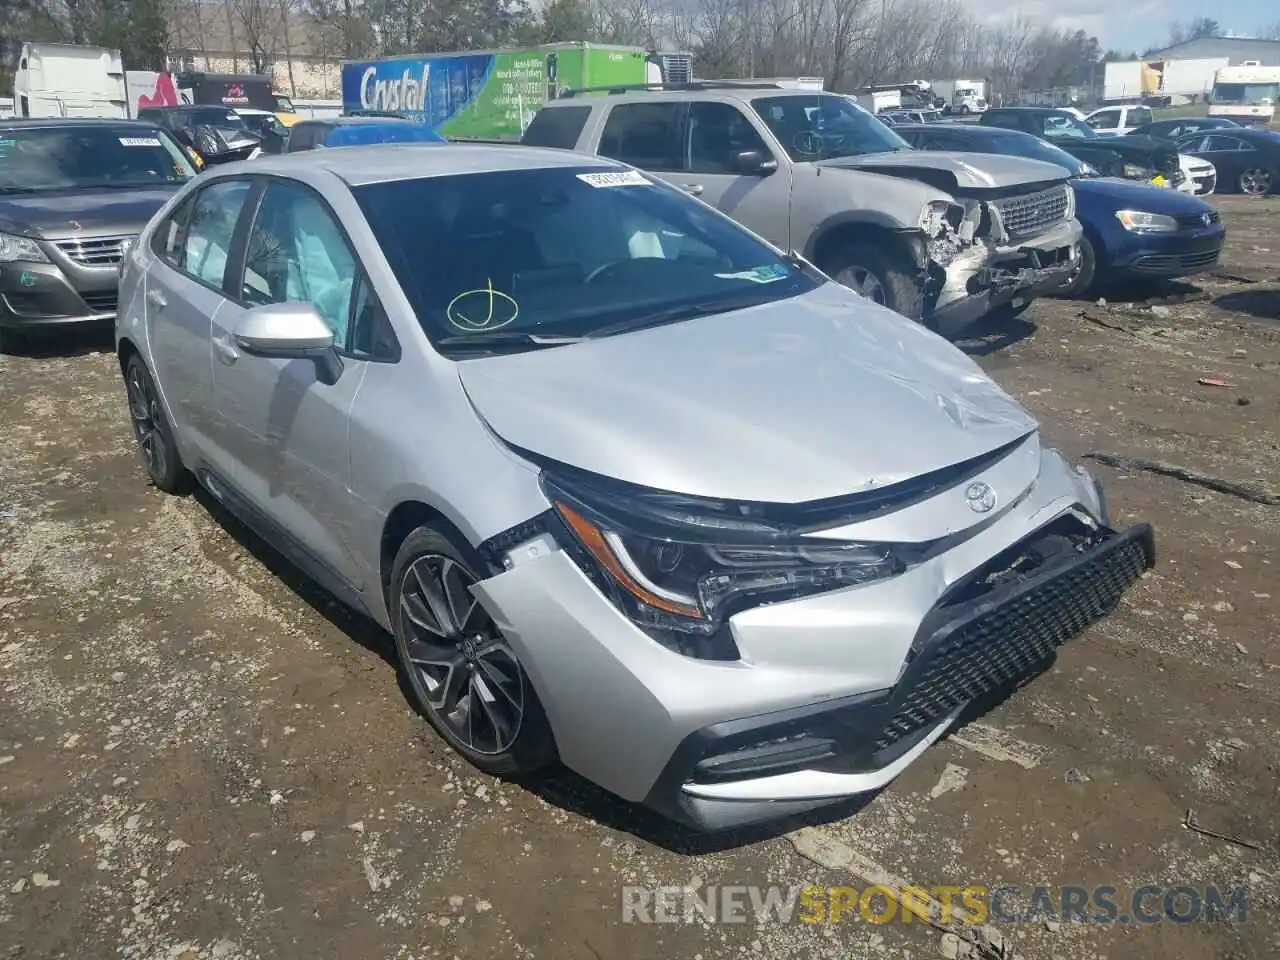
{"points": [[754, 163], [290, 331]]}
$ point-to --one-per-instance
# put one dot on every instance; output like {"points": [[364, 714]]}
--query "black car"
{"points": [[218, 133], [73, 195], [364, 128], [1248, 160], [1131, 230], [1181, 127], [1130, 157]]}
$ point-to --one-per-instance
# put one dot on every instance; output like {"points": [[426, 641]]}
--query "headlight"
{"points": [[14, 249], [679, 566], [1088, 170], [1071, 204], [937, 215], [1134, 171], [1140, 222]]}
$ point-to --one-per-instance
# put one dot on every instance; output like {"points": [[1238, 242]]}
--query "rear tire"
{"points": [[1256, 182], [882, 275], [152, 430], [463, 675]]}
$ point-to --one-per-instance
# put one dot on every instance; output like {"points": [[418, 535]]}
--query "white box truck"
{"points": [[961, 96], [69, 80]]}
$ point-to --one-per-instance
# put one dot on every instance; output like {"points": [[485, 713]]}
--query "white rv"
{"points": [[68, 80], [1247, 93]]}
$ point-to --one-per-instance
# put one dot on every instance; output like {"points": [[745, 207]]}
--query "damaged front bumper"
{"points": [[971, 275]]}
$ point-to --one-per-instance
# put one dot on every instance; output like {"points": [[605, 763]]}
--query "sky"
{"points": [[1139, 24]]}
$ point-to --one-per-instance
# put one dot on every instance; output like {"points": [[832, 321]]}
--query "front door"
{"points": [[287, 430], [717, 134]]}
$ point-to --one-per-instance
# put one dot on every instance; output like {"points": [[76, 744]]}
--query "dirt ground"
{"points": [[202, 757]]}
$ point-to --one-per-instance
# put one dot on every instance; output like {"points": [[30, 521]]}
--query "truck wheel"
{"points": [[964, 109], [884, 276], [1086, 273]]}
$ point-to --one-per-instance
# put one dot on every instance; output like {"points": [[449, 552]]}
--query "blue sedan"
{"points": [[1131, 229]]}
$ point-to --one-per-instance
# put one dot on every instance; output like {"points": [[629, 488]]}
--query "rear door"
{"points": [[1231, 155], [184, 293], [286, 431]]}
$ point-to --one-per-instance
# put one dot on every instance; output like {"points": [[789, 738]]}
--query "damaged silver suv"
{"points": [[940, 237]]}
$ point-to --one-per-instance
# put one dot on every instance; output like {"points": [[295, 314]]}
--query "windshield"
{"points": [[1063, 126], [212, 117], [39, 159], [265, 124], [1033, 148], [1245, 93], [284, 104], [489, 260], [823, 126]]}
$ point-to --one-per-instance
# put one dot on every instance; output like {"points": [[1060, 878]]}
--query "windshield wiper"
{"points": [[656, 318], [505, 338]]}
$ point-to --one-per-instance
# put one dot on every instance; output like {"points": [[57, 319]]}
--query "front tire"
{"points": [[884, 276], [152, 430], [1086, 275], [463, 675]]}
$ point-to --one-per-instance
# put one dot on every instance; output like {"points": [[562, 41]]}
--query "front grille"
{"points": [[1033, 212], [1169, 263], [1195, 221], [100, 302], [94, 251], [1207, 183], [1000, 642]]}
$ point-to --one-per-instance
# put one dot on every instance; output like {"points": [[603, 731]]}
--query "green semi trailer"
{"points": [[493, 94]]}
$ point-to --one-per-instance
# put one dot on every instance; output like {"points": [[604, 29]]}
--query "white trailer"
{"points": [[1122, 81], [1190, 78], [69, 80], [961, 96]]}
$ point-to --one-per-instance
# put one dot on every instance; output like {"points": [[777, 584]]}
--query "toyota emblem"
{"points": [[980, 497]]}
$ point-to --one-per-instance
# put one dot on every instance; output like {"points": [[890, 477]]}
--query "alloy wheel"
{"points": [[464, 670], [1255, 182], [144, 409], [862, 281]]}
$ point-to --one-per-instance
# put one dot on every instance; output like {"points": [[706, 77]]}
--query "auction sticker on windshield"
{"points": [[139, 142], [630, 178]]}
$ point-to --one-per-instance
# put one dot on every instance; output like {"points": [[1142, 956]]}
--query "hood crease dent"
{"points": [[818, 396]]}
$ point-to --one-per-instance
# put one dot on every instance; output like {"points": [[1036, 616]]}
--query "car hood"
{"points": [[1132, 195], [960, 171], [58, 214], [1129, 145], [796, 400]]}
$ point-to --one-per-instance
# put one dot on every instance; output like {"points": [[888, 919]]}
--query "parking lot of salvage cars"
{"points": [[202, 756]]}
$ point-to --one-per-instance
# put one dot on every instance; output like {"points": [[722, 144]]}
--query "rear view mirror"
{"points": [[290, 331], [754, 163]]}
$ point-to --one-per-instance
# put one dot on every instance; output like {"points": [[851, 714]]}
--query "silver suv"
{"points": [[628, 487], [939, 237]]}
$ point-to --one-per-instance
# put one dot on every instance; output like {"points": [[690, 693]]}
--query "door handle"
{"points": [[695, 189], [156, 299], [227, 353]]}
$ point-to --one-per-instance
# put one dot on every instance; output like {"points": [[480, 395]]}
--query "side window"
{"points": [[1139, 115], [297, 253], [300, 137], [203, 239], [1106, 120], [718, 132], [557, 127], [169, 238], [1221, 143], [645, 135], [371, 333]]}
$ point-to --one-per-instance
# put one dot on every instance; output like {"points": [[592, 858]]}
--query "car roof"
{"points": [[29, 122], [385, 162], [742, 93]]}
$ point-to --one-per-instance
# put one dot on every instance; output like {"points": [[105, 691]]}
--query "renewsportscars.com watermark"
{"points": [[974, 903]]}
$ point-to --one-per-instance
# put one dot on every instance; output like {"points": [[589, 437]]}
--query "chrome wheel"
{"points": [[463, 670], [1255, 182], [144, 410], [862, 281]]}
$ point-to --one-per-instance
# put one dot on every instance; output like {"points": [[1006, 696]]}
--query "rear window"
{"points": [[557, 127]]}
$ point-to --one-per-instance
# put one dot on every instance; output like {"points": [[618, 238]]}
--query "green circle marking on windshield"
{"points": [[483, 309]]}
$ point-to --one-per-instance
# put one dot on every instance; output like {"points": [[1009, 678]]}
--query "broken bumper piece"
{"points": [[977, 284]]}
